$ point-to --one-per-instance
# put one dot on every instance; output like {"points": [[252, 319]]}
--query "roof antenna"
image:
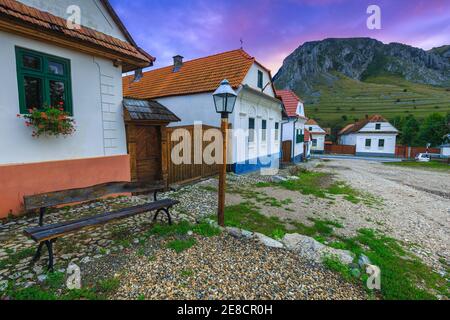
{"points": [[242, 44]]}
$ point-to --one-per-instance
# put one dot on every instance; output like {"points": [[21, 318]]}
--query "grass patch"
{"points": [[181, 245], [53, 288], [208, 188], [432, 165], [403, 275], [206, 229], [164, 230], [321, 185], [334, 264], [187, 273]]}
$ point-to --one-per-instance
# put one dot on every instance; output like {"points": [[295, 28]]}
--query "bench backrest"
{"points": [[57, 198]]}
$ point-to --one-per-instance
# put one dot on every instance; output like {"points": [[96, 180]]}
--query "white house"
{"points": [[46, 61], [373, 136], [317, 136], [186, 89], [445, 148], [293, 130]]}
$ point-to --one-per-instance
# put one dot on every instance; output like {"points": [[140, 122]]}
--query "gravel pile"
{"points": [[223, 267]]}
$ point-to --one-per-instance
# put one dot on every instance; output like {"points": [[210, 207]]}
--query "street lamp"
{"points": [[224, 101]]}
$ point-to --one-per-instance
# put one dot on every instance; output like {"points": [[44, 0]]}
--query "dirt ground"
{"points": [[413, 205]]}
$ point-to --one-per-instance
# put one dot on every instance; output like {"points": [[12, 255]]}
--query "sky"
{"points": [[272, 29]]}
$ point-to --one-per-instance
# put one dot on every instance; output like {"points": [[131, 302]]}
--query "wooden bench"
{"points": [[48, 234]]}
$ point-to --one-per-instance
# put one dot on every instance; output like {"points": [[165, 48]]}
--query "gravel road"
{"points": [[416, 203]]}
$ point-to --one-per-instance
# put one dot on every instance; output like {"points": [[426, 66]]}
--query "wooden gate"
{"points": [[187, 172], [144, 147], [286, 150]]}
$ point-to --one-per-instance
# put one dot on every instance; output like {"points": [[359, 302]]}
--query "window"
{"points": [[381, 143], [251, 129], [300, 137], [377, 126], [277, 131], [310, 129], [264, 130], [43, 80], [368, 143], [260, 79], [314, 142]]}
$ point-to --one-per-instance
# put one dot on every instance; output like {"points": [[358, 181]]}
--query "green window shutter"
{"points": [[43, 80]]}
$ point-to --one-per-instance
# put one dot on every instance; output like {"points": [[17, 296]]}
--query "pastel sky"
{"points": [[272, 29]]}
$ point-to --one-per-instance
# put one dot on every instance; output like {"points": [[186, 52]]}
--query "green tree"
{"points": [[410, 131], [433, 128]]}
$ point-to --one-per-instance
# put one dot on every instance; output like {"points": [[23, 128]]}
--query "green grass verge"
{"points": [[53, 288], [181, 245], [432, 165], [403, 275]]}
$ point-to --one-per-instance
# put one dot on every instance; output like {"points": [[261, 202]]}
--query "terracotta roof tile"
{"points": [[20, 13], [290, 101], [194, 76], [355, 127], [312, 122]]}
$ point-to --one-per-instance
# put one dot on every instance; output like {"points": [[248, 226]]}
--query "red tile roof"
{"points": [[18, 13], [311, 122], [355, 127], [290, 102], [195, 76]]}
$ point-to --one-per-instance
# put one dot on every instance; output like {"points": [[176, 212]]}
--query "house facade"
{"points": [[373, 136], [48, 62], [445, 147], [186, 88], [317, 136], [293, 130]]}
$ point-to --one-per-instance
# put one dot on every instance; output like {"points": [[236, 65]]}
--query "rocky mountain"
{"points": [[320, 62]]}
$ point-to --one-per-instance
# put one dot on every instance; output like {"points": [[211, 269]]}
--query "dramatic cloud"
{"points": [[271, 29]]}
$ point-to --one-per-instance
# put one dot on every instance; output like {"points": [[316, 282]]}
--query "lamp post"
{"points": [[224, 101]]}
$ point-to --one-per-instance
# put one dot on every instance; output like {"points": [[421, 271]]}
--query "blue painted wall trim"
{"points": [[298, 158], [317, 151], [271, 161]]}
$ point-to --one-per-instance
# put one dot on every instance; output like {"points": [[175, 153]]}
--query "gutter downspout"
{"points": [[294, 142], [101, 104]]}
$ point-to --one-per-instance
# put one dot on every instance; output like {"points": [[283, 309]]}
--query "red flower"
{"points": [[18, 115]]}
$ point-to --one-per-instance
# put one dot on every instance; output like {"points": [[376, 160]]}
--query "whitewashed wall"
{"points": [[389, 143], [97, 108], [348, 139], [93, 14], [385, 127], [445, 151], [320, 146], [252, 79]]}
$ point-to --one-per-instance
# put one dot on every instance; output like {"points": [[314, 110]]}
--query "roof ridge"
{"points": [[33, 13], [245, 54]]}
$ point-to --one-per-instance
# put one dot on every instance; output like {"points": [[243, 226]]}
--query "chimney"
{"points": [[177, 63]]}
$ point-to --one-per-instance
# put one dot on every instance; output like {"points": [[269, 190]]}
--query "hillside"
{"points": [[344, 79]]}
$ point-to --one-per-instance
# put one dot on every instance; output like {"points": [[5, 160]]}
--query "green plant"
{"points": [[49, 121], [206, 229], [181, 245]]}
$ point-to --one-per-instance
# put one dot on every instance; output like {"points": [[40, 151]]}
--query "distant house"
{"points": [[445, 147], [373, 136], [308, 144], [317, 136], [293, 131], [186, 88], [45, 62]]}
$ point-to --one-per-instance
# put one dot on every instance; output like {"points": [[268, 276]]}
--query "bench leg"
{"points": [[49, 244], [166, 211], [37, 255]]}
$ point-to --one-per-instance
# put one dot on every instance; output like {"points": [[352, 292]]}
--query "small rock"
{"points": [[363, 261], [42, 277], [278, 179], [29, 284], [190, 233], [247, 234], [269, 242], [38, 270], [28, 276], [235, 232], [3, 285], [86, 260]]}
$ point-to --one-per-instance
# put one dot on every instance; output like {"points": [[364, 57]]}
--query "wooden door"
{"points": [[287, 150], [144, 146]]}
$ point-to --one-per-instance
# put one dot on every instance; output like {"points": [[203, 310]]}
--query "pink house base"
{"points": [[18, 180]]}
